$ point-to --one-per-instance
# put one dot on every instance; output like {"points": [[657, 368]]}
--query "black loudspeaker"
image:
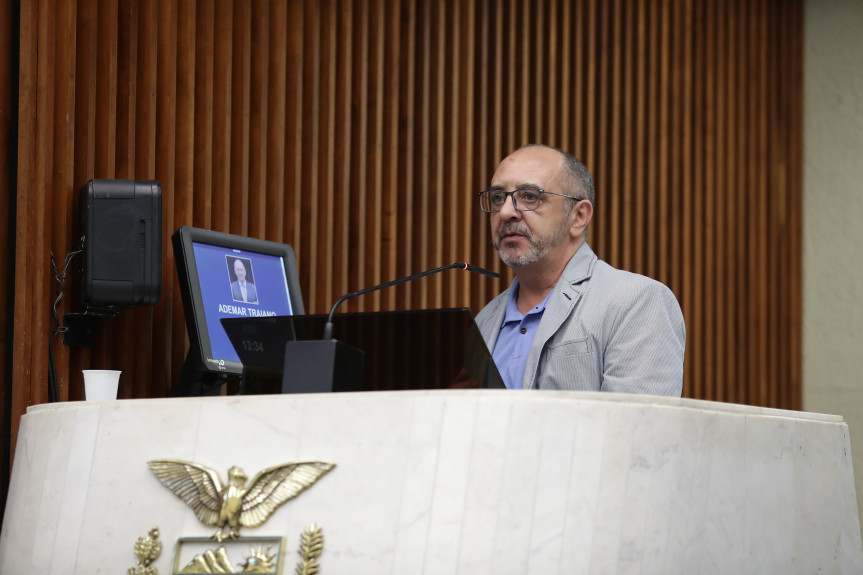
{"points": [[121, 235]]}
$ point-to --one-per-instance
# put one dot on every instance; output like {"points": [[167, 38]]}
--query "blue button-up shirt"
{"points": [[515, 338]]}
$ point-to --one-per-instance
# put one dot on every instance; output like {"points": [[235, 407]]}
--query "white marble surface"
{"points": [[433, 482]]}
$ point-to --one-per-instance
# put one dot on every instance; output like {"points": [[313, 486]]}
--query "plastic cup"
{"points": [[101, 384]]}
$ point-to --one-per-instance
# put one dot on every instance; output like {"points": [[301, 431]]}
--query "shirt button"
{"points": [[523, 330]]}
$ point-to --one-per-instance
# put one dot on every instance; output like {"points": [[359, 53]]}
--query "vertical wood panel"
{"points": [[687, 235], [259, 49], [432, 294], [274, 185], [360, 131], [7, 219], [241, 96], [63, 226], [293, 121], [406, 135], [23, 314], [391, 195], [202, 161], [661, 111], [343, 182], [724, 241], [222, 84]]}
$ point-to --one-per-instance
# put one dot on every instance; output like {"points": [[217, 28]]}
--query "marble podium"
{"points": [[441, 482]]}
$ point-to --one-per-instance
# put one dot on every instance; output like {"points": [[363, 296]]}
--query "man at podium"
{"points": [[569, 320]]}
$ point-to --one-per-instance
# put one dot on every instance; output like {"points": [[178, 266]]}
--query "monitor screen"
{"points": [[226, 276]]}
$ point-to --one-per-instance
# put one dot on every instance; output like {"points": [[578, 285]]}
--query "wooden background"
{"points": [[360, 131]]}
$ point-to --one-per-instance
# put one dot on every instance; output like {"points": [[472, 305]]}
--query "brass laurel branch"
{"points": [[311, 547]]}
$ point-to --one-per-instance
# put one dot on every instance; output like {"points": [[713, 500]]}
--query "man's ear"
{"points": [[581, 215]]}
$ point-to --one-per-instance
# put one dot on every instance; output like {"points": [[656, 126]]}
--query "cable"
{"points": [[53, 388], [60, 278]]}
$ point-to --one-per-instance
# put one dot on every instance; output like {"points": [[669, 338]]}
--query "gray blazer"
{"points": [[603, 329]]}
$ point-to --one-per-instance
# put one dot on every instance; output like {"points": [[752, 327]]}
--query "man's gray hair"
{"points": [[575, 179]]}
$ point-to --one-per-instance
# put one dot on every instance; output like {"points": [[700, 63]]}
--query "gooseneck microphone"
{"points": [[328, 328]]}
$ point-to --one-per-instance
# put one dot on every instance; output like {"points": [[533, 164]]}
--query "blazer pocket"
{"points": [[570, 365], [570, 347]]}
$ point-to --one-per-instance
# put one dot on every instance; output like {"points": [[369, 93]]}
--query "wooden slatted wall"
{"points": [[359, 132]]}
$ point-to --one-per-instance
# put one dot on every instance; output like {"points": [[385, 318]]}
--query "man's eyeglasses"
{"points": [[523, 199]]}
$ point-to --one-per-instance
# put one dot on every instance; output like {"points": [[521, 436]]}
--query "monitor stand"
{"points": [[195, 381]]}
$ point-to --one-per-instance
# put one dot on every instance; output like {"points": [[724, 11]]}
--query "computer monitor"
{"points": [[221, 276]]}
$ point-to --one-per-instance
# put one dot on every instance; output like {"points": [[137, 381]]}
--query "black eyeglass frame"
{"points": [[511, 195]]}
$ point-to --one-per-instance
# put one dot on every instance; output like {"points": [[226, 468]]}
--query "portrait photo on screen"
{"points": [[242, 280]]}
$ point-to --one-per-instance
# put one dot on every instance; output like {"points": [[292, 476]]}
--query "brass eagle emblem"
{"points": [[235, 505]]}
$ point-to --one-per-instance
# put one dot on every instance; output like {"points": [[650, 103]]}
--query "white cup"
{"points": [[100, 384]]}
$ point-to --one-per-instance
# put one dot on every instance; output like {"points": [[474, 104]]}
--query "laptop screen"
{"points": [[421, 349]]}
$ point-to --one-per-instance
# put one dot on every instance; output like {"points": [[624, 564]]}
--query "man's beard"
{"points": [[537, 248]]}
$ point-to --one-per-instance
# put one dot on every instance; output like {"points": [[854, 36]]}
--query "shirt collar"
{"points": [[512, 314]]}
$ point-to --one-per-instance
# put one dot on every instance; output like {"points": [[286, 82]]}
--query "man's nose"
{"points": [[508, 211]]}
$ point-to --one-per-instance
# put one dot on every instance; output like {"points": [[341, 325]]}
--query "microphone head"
{"points": [[476, 269]]}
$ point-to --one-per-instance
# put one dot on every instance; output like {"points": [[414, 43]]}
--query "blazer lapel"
{"points": [[491, 328], [565, 295]]}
